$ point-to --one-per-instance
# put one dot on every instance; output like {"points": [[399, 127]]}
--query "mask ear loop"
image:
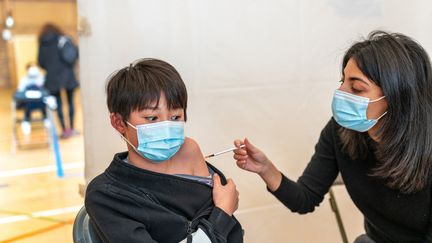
{"points": [[381, 116], [376, 101], [127, 141], [131, 125]]}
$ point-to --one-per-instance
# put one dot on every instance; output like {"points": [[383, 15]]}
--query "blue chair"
{"points": [[83, 231]]}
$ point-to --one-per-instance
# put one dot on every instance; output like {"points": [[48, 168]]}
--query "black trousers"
{"points": [[71, 108]]}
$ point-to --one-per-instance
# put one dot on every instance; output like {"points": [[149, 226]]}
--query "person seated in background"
{"points": [[31, 86], [161, 189]]}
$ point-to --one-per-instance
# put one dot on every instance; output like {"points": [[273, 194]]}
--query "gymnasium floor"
{"points": [[35, 204]]}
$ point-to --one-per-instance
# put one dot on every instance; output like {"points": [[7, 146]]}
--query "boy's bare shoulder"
{"points": [[191, 152]]}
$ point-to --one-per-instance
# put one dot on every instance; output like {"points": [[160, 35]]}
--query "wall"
{"points": [[4, 62], [265, 70], [5, 53]]}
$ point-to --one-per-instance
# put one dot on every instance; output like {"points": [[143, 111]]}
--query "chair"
{"points": [[21, 98], [335, 209], [83, 231]]}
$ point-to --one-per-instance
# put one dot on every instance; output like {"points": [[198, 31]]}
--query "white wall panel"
{"points": [[259, 69]]}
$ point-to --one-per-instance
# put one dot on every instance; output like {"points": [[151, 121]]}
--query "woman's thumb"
{"points": [[250, 147]]}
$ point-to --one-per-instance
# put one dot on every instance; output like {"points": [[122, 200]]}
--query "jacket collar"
{"points": [[131, 174]]}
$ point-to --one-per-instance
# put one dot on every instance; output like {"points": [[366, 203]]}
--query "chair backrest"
{"points": [[335, 208], [83, 231]]}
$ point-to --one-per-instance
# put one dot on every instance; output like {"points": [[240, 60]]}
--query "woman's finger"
{"points": [[240, 157], [240, 151], [238, 143], [241, 164]]}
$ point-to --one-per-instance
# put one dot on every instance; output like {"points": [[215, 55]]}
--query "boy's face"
{"points": [[146, 116]]}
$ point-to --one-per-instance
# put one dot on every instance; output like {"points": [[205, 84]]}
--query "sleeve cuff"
{"points": [[222, 222], [285, 193], [282, 186]]}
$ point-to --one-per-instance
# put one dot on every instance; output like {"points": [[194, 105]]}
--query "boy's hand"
{"points": [[225, 197]]}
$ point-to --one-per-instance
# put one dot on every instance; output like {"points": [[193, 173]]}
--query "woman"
{"points": [[59, 74], [379, 140]]}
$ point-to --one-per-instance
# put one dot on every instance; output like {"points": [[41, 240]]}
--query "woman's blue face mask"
{"points": [[349, 111], [158, 141]]}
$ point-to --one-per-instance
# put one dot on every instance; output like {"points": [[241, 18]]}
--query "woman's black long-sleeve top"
{"points": [[389, 215]]}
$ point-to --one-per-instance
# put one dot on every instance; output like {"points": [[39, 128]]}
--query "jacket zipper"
{"points": [[189, 229], [189, 232]]}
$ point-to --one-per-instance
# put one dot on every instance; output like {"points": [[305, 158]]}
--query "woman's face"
{"points": [[356, 83]]}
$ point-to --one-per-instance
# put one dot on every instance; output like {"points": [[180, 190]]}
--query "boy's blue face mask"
{"points": [[159, 141], [349, 111]]}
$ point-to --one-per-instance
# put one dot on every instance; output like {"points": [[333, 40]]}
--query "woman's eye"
{"points": [[175, 118], [341, 81], [355, 90], [151, 118]]}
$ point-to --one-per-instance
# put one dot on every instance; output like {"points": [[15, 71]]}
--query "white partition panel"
{"points": [[262, 69]]}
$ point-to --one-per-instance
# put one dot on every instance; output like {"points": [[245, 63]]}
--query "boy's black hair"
{"points": [[137, 86]]}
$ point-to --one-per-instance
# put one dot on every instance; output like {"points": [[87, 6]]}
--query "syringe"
{"points": [[224, 151]]}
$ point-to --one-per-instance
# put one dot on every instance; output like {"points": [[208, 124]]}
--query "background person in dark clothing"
{"points": [[379, 140], [59, 74]]}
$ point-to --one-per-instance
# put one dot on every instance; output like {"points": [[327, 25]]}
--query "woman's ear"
{"points": [[118, 123]]}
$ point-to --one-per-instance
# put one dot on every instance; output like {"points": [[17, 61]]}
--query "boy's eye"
{"points": [[151, 118], [175, 118]]}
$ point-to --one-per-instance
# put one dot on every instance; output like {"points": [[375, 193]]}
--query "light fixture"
{"points": [[9, 22], [6, 34]]}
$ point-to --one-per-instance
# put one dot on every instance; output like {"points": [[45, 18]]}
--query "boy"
{"points": [[161, 189]]}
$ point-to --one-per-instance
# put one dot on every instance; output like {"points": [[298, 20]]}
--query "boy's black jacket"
{"points": [[129, 204]]}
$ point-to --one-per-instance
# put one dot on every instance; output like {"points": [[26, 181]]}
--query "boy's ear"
{"points": [[117, 122]]}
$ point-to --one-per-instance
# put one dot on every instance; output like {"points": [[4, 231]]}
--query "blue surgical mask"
{"points": [[349, 111], [158, 141]]}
